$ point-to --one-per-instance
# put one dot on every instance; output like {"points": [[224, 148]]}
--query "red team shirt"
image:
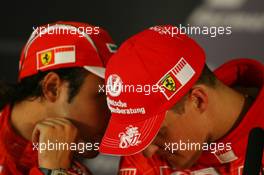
{"points": [[16, 154], [243, 72]]}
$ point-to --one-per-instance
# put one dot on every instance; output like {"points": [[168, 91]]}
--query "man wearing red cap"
{"points": [[193, 121], [55, 113]]}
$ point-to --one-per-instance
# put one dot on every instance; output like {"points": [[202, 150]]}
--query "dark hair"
{"points": [[207, 78], [30, 88]]}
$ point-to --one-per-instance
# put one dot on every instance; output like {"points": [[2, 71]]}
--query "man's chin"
{"points": [[182, 162], [179, 166], [179, 162]]}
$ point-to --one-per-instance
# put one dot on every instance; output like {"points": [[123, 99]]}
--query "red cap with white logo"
{"points": [[64, 45], [150, 72]]}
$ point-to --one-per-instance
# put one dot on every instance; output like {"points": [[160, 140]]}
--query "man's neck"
{"points": [[24, 116], [227, 111]]}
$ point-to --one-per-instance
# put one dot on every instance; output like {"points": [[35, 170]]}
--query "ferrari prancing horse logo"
{"points": [[169, 83], [46, 57]]}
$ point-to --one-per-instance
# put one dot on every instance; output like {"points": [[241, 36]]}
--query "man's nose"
{"points": [[150, 150]]}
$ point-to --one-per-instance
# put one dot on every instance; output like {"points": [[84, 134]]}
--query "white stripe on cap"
{"points": [[99, 71]]}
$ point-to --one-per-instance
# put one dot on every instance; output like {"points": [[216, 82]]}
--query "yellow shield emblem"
{"points": [[46, 58], [169, 83]]}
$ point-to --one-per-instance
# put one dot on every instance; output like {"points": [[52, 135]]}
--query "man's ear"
{"points": [[51, 86], [199, 97]]}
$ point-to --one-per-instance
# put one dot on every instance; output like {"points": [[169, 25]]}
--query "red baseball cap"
{"points": [[158, 59], [64, 45]]}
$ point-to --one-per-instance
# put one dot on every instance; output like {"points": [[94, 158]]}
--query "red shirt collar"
{"points": [[16, 148]]}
